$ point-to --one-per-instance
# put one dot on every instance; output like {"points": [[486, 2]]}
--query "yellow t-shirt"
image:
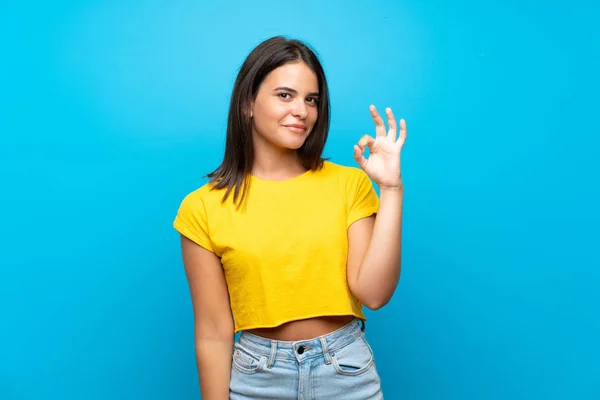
{"points": [[284, 255]]}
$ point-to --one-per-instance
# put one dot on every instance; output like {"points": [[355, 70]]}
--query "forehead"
{"points": [[297, 75]]}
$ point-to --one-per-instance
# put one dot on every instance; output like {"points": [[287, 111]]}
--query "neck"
{"points": [[275, 163]]}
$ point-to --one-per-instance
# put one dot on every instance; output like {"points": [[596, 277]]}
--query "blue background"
{"points": [[110, 112]]}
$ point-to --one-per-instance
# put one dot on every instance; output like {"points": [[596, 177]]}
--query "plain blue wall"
{"points": [[110, 112]]}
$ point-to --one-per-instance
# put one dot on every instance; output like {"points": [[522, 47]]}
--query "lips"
{"points": [[296, 127]]}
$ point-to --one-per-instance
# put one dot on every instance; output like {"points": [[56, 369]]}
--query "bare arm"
{"points": [[375, 252], [375, 244], [213, 323]]}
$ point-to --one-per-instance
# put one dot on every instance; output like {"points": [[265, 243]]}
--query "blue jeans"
{"points": [[338, 365]]}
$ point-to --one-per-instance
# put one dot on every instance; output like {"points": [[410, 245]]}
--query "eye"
{"points": [[283, 95], [312, 100]]}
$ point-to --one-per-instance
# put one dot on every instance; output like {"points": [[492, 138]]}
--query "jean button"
{"points": [[300, 349]]}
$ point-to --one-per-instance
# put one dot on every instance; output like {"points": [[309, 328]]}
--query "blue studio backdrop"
{"points": [[112, 111]]}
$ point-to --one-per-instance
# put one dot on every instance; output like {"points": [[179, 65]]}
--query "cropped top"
{"points": [[284, 254]]}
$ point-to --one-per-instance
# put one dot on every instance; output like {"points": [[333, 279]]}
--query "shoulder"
{"points": [[347, 175], [192, 219], [330, 167], [203, 196]]}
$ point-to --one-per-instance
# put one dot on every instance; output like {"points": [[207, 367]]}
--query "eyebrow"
{"points": [[314, 94]]}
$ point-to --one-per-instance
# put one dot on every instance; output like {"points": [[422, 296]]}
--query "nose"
{"points": [[299, 110]]}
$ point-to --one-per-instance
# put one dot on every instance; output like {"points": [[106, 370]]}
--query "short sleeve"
{"points": [[362, 198], [191, 221]]}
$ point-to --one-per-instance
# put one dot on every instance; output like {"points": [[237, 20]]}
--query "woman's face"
{"points": [[286, 107]]}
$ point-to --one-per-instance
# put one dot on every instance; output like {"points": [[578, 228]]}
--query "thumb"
{"points": [[359, 157]]}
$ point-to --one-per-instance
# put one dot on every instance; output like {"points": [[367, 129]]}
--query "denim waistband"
{"points": [[301, 349]]}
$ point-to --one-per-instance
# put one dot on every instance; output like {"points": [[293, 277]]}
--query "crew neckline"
{"points": [[274, 181], [306, 173]]}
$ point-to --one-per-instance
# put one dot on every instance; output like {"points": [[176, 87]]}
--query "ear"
{"points": [[248, 110]]}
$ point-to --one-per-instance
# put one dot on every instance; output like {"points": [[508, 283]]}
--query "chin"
{"points": [[292, 142]]}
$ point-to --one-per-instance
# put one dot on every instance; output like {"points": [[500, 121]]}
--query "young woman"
{"points": [[285, 246]]}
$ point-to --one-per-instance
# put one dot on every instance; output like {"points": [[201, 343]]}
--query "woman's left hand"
{"points": [[383, 164]]}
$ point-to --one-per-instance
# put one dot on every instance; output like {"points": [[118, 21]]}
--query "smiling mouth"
{"points": [[296, 128]]}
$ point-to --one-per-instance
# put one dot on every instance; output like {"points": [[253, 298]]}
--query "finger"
{"points": [[391, 123], [379, 125], [403, 133], [359, 157], [365, 141]]}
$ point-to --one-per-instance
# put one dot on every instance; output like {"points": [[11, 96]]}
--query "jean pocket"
{"points": [[356, 358], [246, 361]]}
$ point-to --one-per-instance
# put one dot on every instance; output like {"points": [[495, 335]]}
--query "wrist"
{"points": [[394, 188]]}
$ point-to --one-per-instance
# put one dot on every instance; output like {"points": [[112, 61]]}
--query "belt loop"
{"points": [[325, 351], [363, 325], [273, 353]]}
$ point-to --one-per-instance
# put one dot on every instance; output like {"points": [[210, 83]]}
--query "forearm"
{"points": [[213, 357], [380, 268]]}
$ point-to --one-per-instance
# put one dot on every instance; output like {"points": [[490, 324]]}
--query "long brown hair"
{"points": [[234, 171]]}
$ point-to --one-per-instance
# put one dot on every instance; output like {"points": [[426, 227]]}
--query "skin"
{"points": [[374, 256]]}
